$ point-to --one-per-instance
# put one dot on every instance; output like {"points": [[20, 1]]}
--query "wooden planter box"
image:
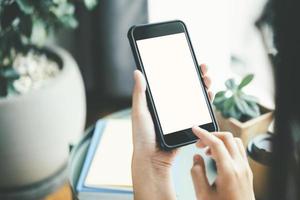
{"points": [[246, 130]]}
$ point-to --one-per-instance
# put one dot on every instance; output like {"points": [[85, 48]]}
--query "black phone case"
{"points": [[159, 134]]}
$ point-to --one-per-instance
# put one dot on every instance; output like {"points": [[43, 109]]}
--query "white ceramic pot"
{"points": [[36, 128]]}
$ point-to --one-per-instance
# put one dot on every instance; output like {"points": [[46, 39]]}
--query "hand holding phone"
{"points": [[151, 166], [176, 95]]}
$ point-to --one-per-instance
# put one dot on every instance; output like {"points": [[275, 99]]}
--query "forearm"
{"points": [[150, 181]]}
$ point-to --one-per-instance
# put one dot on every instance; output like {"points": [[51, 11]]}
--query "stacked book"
{"points": [[106, 172]]}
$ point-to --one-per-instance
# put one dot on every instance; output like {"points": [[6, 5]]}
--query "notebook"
{"points": [[107, 167], [112, 169]]}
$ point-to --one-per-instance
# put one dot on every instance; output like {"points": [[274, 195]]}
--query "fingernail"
{"points": [[197, 128], [196, 158], [199, 144], [135, 74]]}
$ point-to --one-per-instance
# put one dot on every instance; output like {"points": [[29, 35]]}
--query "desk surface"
{"points": [[183, 163], [64, 193], [181, 169]]}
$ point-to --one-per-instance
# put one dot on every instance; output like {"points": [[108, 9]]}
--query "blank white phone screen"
{"points": [[174, 83]]}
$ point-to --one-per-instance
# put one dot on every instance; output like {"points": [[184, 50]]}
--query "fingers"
{"points": [[233, 145], [205, 77], [139, 103], [229, 143], [141, 118], [207, 81], [241, 148], [210, 95], [218, 150], [201, 185], [203, 68]]}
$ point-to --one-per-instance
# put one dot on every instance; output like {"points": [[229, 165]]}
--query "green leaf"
{"points": [[220, 105], [253, 110], [69, 21], [246, 80], [249, 98], [59, 1], [255, 107], [9, 73], [8, 15], [26, 26], [228, 103], [220, 94], [219, 97], [219, 100], [63, 9], [230, 84], [39, 33], [240, 104], [90, 4], [25, 6], [234, 113]]}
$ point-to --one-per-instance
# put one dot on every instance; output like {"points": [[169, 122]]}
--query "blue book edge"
{"points": [[97, 134]]}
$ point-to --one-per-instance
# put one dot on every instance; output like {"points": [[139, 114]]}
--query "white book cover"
{"points": [[111, 164]]}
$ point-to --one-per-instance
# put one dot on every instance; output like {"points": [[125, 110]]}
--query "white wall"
{"points": [[207, 22], [219, 28]]}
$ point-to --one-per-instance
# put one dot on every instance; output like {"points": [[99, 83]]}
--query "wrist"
{"points": [[151, 163], [151, 179]]}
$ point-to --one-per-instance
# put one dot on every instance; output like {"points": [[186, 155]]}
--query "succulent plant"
{"points": [[234, 102]]}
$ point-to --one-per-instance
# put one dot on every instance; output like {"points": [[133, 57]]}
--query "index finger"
{"points": [[218, 150]]}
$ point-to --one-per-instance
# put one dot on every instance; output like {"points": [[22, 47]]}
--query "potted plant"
{"points": [[239, 112], [42, 98]]}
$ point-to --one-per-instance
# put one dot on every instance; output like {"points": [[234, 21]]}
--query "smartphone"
{"points": [[176, 95]]}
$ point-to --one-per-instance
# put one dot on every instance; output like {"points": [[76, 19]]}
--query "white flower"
{"points": [[20, 64], [23, 84], [35, 71]]}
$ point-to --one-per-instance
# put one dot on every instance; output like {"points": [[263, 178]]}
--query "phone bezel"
{"points": [[181, 137]]}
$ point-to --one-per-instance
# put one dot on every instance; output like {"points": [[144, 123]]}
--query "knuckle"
{"points": [[228, 136], [242, 172], [250, 173], [216, 143], [238, 140], [229, 173]]}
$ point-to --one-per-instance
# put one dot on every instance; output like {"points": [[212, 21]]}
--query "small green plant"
{"points": [[25, 26], [233, 102]]}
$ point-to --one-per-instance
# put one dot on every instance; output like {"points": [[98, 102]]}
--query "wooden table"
{"points": [[64, 193]]}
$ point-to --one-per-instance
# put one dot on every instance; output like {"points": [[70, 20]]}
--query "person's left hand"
{"points": [[151, 166]]}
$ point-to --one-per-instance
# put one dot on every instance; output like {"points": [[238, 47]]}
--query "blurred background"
{"points": [[223, 33], [50, 93]]}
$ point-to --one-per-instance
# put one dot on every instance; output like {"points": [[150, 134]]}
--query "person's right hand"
{"points": [[234, 177]]}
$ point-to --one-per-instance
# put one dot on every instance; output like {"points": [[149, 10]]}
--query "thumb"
{"points": [[139, 102], [201, 185], [142, 125]]}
